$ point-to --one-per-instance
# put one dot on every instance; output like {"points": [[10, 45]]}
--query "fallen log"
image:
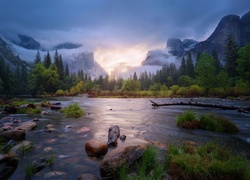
{"points": [[224, 107]]}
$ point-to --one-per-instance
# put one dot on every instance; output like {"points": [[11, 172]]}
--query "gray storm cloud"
{"points": [[115, 21]]}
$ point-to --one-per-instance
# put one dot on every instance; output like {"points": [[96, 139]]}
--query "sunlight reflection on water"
{"points": [[137, 119]]}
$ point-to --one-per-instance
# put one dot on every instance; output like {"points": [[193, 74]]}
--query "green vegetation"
{"points": [[51, 160], [211, 122], [147, 168], [206, 77], [26, 148], [29, 111], [188, 120], [29, 170], [73, 110], [17, 102], [208, 161]]}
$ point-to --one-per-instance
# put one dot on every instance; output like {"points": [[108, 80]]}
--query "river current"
{"points": [[137, 119]]}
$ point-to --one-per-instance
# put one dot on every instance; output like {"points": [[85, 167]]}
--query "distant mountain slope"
{"points": [[26, 42], [73, 54], [85, 61], [233, 25], [6, 52]]}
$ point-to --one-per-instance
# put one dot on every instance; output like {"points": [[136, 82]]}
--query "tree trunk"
{"points": [[225, 107]]}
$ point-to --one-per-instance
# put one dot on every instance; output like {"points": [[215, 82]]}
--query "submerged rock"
{"points": [[120, 157], [15, 134], [87, 177], [54, 174], [96, 148], [23, 145], [26, 126], [114, 134], [8, 165], [44, 112], [39, 164], [83, 129]]}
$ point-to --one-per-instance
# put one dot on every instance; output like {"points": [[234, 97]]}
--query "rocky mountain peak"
{"points": [[176, 46], [229, 25]]}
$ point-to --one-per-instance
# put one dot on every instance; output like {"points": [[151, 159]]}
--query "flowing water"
{"points": [[137, 119]]}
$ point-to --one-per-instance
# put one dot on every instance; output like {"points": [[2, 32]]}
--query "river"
{"points": [[137, 119]]}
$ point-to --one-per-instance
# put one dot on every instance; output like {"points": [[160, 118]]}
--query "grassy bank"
{"points": [[210, 122]]}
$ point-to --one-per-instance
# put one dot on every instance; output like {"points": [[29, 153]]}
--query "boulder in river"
{"points": [[15, 134], [96, 148], [26, 126], [120, 157], [55, 107], [114, 134], [8, 165], [83, 129]]}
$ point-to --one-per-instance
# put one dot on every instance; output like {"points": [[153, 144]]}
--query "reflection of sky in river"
{"points": [[137, 119]]}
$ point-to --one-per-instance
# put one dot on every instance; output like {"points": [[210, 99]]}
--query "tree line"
{"points": [[51, 75]]}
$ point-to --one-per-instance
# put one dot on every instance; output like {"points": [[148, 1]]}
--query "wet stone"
{"points": [[96, 148], [8, 165], [87, 177], [26, 126], [123, 138]]}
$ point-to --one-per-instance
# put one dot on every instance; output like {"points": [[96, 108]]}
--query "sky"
{"points": [[117, 31]]}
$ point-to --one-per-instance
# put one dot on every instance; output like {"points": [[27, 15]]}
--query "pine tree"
{"points": [[38, 57], [56, 59], [183, 68], [190, 66], [135, 76], [67, 70], [61, 68], [216, 62], [47, 60], [231, 55]]}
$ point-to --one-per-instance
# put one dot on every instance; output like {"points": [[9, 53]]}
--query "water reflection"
{"points": [[137, 119]]}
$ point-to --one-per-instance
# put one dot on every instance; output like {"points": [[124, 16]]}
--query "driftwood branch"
{"points": [[225, 107]]}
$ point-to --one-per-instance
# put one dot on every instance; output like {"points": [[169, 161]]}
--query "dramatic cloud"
{"points": [[103, 25]]}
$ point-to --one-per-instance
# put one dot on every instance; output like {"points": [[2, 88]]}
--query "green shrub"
{"points": [[17, 102], [183, 91], [73, 110], [208, 161], [174, 89], [188, 120], [60, 92], [213, 122], [29, 111], [210, 123]]}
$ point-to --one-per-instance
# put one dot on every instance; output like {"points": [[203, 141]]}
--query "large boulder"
{"points": [[114, 134], [26, 126], [120, 157], [96, 148], [8, 164], [15, 134]]}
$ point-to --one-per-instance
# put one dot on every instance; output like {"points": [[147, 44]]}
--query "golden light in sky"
{"points": [[121, 58]]}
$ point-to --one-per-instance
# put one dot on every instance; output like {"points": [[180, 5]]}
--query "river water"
{"points": [[137, 119]]}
